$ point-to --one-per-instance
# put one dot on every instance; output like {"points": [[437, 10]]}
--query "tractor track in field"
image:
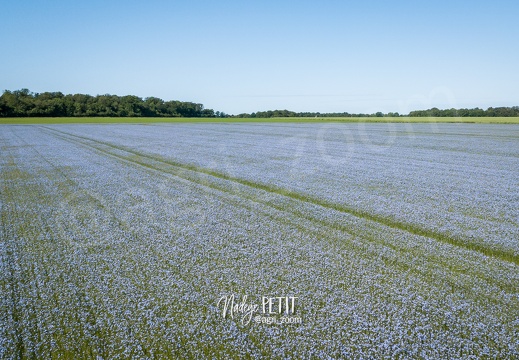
{"points": [[181, 169]]}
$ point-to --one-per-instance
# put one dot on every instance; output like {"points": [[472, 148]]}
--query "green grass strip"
{"points": [[148, 120]]}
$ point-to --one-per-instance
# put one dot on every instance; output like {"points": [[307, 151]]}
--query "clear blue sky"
{"points": [[246, 56]]}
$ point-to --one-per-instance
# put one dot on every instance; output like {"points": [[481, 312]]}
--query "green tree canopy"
{"points": [[22, 103]]}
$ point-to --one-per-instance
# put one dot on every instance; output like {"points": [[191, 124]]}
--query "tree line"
{"points": [[476, 112], [23, 103], [287, 113], [434, 112]]}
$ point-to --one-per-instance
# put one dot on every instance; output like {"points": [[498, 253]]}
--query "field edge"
{"points": [[146, 120]]}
